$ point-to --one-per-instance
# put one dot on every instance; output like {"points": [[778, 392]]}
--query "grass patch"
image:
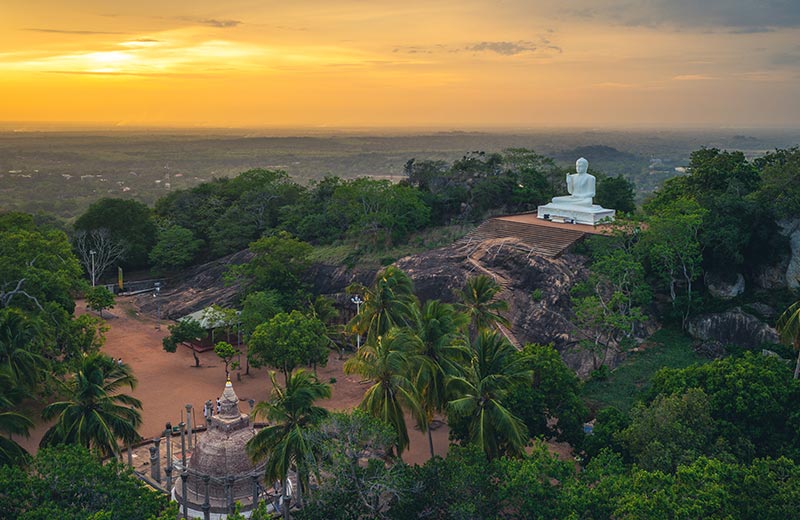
{"points": [[666, 348], [350, 254], [331, 254]]}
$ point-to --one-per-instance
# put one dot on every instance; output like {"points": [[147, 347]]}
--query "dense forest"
{"points": [[704, 438]]}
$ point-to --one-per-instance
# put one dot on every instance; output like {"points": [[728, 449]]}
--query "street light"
{"points": [[358, 301], [92, 252], [158, 304]]}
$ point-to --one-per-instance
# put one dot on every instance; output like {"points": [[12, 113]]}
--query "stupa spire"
{"points": [[229, 403]]}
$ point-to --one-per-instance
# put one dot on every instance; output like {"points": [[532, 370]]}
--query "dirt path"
{"points": [[167, 382]]}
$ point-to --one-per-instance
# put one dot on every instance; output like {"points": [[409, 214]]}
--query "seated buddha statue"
{"points": [[580, 185]]}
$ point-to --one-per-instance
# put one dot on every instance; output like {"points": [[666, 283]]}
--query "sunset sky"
{"points": [[373, 63]]}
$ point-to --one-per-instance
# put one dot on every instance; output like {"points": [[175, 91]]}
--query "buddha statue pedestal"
{"points": [[574, 213]]}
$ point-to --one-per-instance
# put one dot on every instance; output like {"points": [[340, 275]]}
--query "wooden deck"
{"points": [[543, 237]]}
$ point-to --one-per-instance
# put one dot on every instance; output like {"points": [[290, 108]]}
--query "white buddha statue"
{"points": [[577, 207], [581, 186]]}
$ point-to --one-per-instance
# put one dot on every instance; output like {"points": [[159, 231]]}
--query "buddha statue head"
{"points": [[581, 165]]}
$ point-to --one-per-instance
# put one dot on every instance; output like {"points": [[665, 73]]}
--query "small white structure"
{"points": [[577, 207]]}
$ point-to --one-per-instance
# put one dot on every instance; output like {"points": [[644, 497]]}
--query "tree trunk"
{"points": [[299, 491], [430, 440], [285, 500], [797, 366], [196, 359]]}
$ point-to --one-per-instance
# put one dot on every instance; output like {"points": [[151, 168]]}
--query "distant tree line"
{"points": [[225, 215]]}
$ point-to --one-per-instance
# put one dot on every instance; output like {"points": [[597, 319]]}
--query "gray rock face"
{"points": [[723, 290], [441, 273], [772, 276], [734, 327], [791, 228], [196, 289], [711, 349], [761, 310]]}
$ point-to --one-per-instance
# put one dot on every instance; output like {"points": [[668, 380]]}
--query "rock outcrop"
{"points": [[791, 229], [734, 327], [537, 288], [723, 289], [195, 289]]}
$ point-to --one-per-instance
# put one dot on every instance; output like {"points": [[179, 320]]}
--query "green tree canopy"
{"points": [[478, 300], [672, 248], [128, 221], [617, 193], [226, 352], [478, 412], [259, 307], [390, 363], [278, 262], [93, 414], [12, 422], [549, 403], [176, 247], [780, 188], [185, 331], [390, 302], [68, 483], [672, 430], [288, 341], [750, 400], [284, 444], [358, 483], [99, 298], [36, 265]]}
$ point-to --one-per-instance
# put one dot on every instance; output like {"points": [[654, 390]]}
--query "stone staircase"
{"points": [[542, 240]]}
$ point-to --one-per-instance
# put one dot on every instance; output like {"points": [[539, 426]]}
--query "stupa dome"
{"points": [[219, 461]]}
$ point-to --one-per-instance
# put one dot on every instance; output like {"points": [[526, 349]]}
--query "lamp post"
{"points": [[358, 301], [92, 252], [158, 304]]}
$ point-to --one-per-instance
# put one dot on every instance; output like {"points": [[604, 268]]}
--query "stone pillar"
{"points": [[206, 502], [155, 463], [168, 471], [254, 476], [184, 478], [168, 433], [182, 426], [189, 423], [229, 493]]}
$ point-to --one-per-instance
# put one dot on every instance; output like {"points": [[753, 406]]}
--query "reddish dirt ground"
{"points": [[167, 381]]}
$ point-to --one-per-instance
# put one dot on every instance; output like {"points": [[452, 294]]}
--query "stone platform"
{"points": [[591, 215]]}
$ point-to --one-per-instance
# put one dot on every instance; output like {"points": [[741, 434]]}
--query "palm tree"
{"points": [[479, 303], [284, 444], [93, 414], [11, 423], [19, 338], [486, 381], [788, 326], [391, 363], [390, 302], [442, 344]]}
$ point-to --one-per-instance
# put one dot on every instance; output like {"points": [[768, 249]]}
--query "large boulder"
{"points": [[724, 289], [772, 276], [734, 327], [791, 229]]}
